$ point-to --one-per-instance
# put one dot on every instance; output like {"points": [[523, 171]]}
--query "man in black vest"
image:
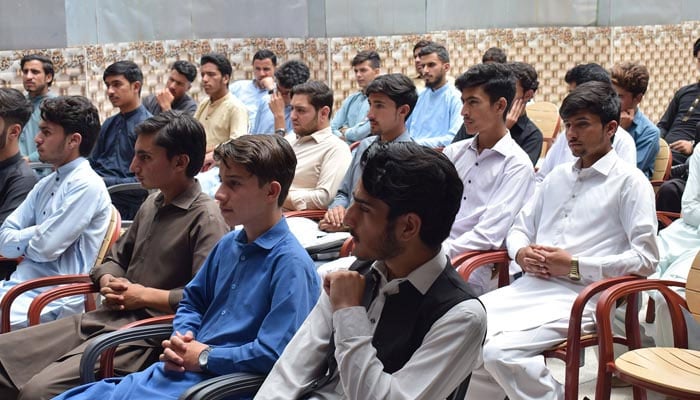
{"points": [[405, 326]]}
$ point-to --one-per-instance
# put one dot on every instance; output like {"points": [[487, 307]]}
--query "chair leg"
{"points": [[639, 393]]}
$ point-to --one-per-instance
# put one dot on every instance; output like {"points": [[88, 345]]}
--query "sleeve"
{"points": [[262, 123], [358, 132], [303, 357], [461, 134], [333, 168], [690, 203], [342, 197], [455, 123], [18, 187], [551, 159], [448, 354], [625, 147], [19, 227], [238, 121], [294, 291], [117, 260], [637, 214], [340, 118], [513, 190], [670, 115], [116, 180], [524, 229], [533, 145], [34, 156], [190, 107], [647, 148]]}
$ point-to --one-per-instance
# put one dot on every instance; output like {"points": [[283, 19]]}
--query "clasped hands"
{"points": [[544, 261], [181, 353], [120, 293]]}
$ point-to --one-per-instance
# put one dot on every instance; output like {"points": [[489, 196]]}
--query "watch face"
{"points": [[204, 358]]}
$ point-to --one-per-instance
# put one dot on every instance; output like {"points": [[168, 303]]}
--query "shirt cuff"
{"points": [[174, 297], [351, 322]]}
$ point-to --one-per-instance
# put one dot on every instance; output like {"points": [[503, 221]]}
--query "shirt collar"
{"points": [[603, 166], [423, 277], [269, 239], [66, 169], [185, 199], [128, 115], [318, 136], [503, 146], [219, 101], [10, 161]]}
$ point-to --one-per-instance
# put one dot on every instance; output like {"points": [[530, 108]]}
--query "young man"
{"points": [[59, 227], [404, 326], [494, 55], [497, 175], [223, 116], [142, 276], [418, 80], [252, 293], [16, 178], [322, 157], [391, 99], [436, 119], [251, 92], [630, 81], [115, 145], [174, 95], [350, 122], [560, 153], [565, 239], [274, 110], [37, 77]]}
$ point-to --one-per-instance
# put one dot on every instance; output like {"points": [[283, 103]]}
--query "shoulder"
{"points": [[234, 103], [453, 150]]}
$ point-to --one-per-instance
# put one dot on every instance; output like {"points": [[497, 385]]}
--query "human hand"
{"points": [[531, 261], [344, 288], [626, 118], [682, 146], [557, 261], [333, 220], [181, 352], [515, 111], [208, 161], [267, 83], [276, 104], [112, 289], [165, 99]]}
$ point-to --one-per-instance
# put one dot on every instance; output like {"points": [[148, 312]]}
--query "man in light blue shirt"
{"points": [[251, 92], [350, 122], [274, 109], [630, 81], [37, 77], [60, 226], [436, 119]]}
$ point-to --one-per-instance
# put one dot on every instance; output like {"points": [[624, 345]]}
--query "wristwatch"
{"points": [[281, 131], [573, 272], [204, 358]]}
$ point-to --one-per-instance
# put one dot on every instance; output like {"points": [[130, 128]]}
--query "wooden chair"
{"points": [[135, 188], [83, 282], [662, 164], [316, 215], [545, 116], [675, 371], [470, 261]]}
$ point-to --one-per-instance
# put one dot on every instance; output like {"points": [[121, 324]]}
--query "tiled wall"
{"points": [[664, 49]]}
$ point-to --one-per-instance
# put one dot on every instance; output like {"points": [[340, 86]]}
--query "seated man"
{"points": [[418, 80], [630, 81], [497, 175], [322, 157], [350, 122], [16, 178], [388, 95], [560, 153], [274, 110], [253, 292], [251, 92], [589, 220], [115, 145], [59, 227], [142, 276], [361, 341], [174, 95], [436, 119]]}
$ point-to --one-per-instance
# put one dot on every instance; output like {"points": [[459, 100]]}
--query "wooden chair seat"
{"points": [[676, 370]]}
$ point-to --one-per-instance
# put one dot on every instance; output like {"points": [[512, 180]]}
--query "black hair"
{"points": [[436, 48], [497, 80], [185, 68], [15, 108], [367, 55], [398, 87], [320, 95], [525, 74], [75, 114], [494, 54], [583, 73], [265, 54], [292, 73], [222, 63], [46, 64], [598, 98], [128, 69]]}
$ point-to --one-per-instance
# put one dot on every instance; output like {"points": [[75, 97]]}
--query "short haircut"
{"points": [[420, 44], [222, 63], [496, 80], [398, 87], [46, 64], [75, 114], [178, 133], [583, 73], [494, 54], [265, 54], [526, 75], [292, 73], [436, 48], [15, 108], [126, 68], [185, 68], [319, 94], [411, 178], [268, 157], [598, 98], [633, 77], [696, 47], [367, 55]]}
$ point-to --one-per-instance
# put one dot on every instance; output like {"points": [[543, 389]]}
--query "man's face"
{"points": [[373, 235], [477, 111], [151, 165], [434, 70], [35, 81], [384, 118], [305, 118], [628, 101], [177, 84], [364, 73], [52, 143], [286, 94], [263, 69], [416, 62], [213, 82], [120, 92], [241, 198], [587, 137]]}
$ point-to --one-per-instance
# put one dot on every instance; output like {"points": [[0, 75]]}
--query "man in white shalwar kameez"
{"points": [[589, 220]]}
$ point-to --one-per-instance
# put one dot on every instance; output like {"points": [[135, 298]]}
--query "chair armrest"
{"points": [[471, 260], [347, 247], [224, 386], [311, 214], [43, 299], [666, 218], [106, 345], [17, 290]]}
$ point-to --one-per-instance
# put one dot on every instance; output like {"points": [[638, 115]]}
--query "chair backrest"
{"points": [[545, 116], [662, 164], [692, 288], [111, 236]]}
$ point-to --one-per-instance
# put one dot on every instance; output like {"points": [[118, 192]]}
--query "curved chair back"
{"points": [[662, 164], [113, 231], [692, 289], [545, 116]]}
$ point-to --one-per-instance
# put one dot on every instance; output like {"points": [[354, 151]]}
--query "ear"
{"points": [[225, 79], [638, 99], [447, 66], [325, 112], [273, 191], [408, 227], [610, 128], [137, 85], [74, 140], [182, 161], [14, 131], [49, 77], [528, 95], [404, 110], [501, 105]]}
